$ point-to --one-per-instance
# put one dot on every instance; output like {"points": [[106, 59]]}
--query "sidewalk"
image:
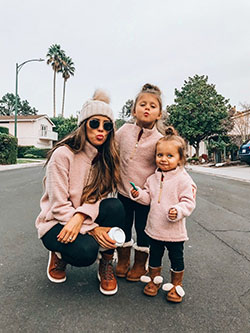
{"points": [[21, 165], [238, 172]]}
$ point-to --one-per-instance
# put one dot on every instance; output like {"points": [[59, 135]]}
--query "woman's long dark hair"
{"points": [[104, 175]]}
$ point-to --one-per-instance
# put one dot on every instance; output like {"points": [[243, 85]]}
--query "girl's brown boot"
{"points": [[123, 264], [153, 280], [140, 264], [175, 290]]}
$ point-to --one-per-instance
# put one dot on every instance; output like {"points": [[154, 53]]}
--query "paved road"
{"points": [[216, 282]]}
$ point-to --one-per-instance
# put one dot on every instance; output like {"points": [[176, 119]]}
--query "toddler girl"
{"points": [[137, 149], [170, 191]]}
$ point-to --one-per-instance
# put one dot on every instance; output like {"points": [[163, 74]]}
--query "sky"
{"points": [[120, 45]]}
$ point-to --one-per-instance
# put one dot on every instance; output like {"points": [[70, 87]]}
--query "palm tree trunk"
{"points": [[54, 95], [63, 99]]}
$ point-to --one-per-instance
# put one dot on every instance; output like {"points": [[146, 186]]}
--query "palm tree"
{"points": [[54, 57], [67, 70]]}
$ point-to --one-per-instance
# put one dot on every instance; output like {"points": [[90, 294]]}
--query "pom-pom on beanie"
{"points": [[98, 105]]}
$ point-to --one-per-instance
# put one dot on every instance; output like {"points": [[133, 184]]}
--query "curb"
{"points": [[206, 172], [20, 166]]}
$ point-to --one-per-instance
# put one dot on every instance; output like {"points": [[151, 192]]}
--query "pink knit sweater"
{"points": [[165, 190], [137, 157], [66, 175]]}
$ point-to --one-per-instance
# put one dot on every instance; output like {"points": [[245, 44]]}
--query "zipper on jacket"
{"points": [[161, 186], [137, 142]]}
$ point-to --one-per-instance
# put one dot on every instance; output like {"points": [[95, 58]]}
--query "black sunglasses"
{"points": [[95, 123]]}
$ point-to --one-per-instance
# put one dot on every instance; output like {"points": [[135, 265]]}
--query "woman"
{"points": [[76, 216]]}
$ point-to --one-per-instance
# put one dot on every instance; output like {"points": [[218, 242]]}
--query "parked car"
{"points": [[244, 152]]}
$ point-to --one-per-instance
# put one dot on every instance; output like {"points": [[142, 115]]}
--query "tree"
{"points": [[64, 126], [55, 57], [67, 70], [8, 102], [199, 111], [125, 114]]}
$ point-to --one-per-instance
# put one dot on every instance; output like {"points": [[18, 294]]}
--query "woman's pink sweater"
{"points": [[137, 158], [66, 175], [163, 191]]}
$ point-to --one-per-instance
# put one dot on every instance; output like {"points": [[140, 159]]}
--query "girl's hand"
{"points": [[172, 214], [101, 236], [71, 230], [134, 193]]}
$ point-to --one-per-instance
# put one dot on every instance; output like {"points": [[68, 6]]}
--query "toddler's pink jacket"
{"points": [[165, 190], [66, 175], [137, 158]]}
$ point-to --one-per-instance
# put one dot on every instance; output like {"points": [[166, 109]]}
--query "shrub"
{"points": [[8, 149], [4, 130], [23, 151], [30, 156]]}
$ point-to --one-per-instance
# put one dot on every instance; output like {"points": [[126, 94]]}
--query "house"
{"points": [[241, 129], [32, 130]]}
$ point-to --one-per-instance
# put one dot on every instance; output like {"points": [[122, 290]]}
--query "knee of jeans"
{"points": [[85, 259], [115, 208]]}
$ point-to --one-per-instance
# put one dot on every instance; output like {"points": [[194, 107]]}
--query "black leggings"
{"points": [[139, 213], [84, 250], [175, 254]]}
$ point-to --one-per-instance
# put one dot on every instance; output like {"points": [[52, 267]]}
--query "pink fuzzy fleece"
{"points": [[137, 161], [66, 175], [178, 191]]}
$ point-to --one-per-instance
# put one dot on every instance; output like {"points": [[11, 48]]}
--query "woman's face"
{"points": [[97, 130]]}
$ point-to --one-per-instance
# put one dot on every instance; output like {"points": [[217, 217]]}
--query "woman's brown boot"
{"points": [[153, 280], [175, 290], [123, 264], [140, 264]]}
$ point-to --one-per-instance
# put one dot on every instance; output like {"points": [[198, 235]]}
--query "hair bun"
{"points": [[151, 88], [170, 131], [100, 95]]}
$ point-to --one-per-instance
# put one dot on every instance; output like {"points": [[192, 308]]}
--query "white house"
{"points": [[32, 130]]}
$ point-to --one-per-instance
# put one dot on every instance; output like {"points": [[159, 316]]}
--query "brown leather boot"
{"points": [[56, 268], [108, 283], [123, 264], [175, 290], [139, 268], [153, 280]]}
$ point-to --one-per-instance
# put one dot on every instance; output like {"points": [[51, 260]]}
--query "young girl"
{"points": [[170, 191], [75, 215], [137, 148]]}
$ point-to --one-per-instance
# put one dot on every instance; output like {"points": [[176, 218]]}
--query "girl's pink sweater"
{"points": [[165, 190], [137, 158], [66, 175]]}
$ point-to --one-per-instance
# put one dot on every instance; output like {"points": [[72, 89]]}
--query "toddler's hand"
{"points": [[172, 214], [134, 193]]}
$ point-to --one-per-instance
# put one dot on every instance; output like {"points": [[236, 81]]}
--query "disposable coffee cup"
{"points": [[118, 235]]}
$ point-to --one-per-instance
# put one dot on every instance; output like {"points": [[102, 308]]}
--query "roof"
{"points": [[31, 117]]}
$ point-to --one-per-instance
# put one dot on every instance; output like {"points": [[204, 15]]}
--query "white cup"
{"points": [[118, 235]]}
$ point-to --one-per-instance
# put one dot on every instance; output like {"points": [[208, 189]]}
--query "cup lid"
{"points": [[117, 235]]}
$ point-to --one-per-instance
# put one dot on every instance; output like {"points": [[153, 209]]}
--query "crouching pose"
{"points": [[76, 214], [170, 192]]}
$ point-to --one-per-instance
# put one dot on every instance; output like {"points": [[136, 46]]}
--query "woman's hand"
{"points": [[101, 236], [71, 230]]}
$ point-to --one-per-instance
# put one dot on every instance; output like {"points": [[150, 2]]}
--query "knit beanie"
{"points": [[98, 105]]}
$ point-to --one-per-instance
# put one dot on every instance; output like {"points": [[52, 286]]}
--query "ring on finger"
{"points": [[70, 238]]}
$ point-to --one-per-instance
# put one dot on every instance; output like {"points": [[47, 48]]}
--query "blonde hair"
{"points": [[148, 89], [172, 135], [153, 90], [105, 172]]}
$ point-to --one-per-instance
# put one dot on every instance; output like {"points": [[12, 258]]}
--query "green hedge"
{"points": [[8, 149], [26, 151], [4, 130]]}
